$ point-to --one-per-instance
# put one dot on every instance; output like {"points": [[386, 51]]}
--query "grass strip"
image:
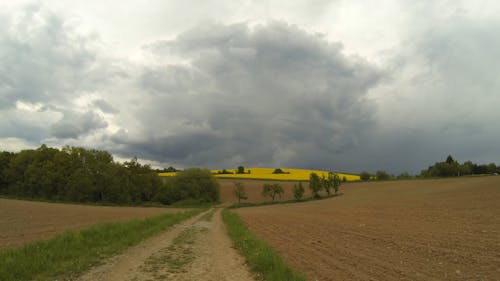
{"points": [[73, 252], [261, 258]]}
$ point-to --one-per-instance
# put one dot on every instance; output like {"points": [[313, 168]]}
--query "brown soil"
{"points": [[22, 222], [253, 189], [404, 230], [197, 249]]}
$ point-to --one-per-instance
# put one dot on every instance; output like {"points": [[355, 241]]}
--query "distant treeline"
{"points": [[448, 168], [80, 175], [452, 168]]}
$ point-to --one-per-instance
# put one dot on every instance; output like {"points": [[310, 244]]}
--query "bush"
{"points": [[280, 171], [382, 175], [298, 191], [365, 176]]}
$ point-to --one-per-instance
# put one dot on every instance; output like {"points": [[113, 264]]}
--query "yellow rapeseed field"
{"points": [[267, 173]]}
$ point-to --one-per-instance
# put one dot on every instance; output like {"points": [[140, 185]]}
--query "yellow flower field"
{"points": [[267, 173]]}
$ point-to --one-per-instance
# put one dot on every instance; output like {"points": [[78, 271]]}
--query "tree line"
{"points": [[80, 175], [448, 168], [452, 168]]}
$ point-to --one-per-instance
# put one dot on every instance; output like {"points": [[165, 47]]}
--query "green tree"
{"points": [[382, 175], [336, 182], [326, 183], [298, 191], [240, 170], [272, 190], [196, 183], [239, 191], [365, 176], [315, 185]]}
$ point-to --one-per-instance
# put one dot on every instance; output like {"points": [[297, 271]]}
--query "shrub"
{"points": [[365, 176], [382, 175], [280, 171], [298, 191]]}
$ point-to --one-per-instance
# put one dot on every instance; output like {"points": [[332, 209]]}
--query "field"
{"points": [[267, 174], [253, 189], [447, 229], [24, 221]]}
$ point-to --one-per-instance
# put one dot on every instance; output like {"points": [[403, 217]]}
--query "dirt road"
{"points": [[197, 249]]}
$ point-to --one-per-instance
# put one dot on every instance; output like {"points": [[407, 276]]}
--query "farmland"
{"points": [[253, 189], [267, 174], [24, 221], [447, 229]]}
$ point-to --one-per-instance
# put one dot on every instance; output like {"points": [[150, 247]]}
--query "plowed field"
{"points": [[445, 229], [25, 221], [253, 190]]}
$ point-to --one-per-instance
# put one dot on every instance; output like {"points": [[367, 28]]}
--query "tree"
{"points": [[382, 175], [327, 183], [315, 185], [298, 191], [280, 171], [272, 190], [239, 191], [197, 183], [240, 170], [404, 175], [336, 182], [449, 159], [365, 176]]}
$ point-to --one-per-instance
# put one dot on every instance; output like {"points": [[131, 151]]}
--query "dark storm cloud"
{"points": [[442, 99], [74, 124], [271, 94]]}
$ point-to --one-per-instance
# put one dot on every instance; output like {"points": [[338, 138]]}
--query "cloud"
{"points": [[255, 91], [47, 70], [440, 97], [43, 59], [104, 106], [74, 124], [270, 94]]}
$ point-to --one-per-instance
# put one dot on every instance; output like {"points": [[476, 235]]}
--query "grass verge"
{"points": [[73, 252], [261, 258]]}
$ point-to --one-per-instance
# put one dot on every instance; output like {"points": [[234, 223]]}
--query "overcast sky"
{"points": [[342, 85]]}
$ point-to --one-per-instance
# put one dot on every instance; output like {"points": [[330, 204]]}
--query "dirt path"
{"points": [[197, 249]]}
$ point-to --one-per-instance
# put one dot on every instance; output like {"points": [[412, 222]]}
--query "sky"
{"points": [[338, 85]]}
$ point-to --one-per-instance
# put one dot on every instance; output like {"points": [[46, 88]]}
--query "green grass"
{"points": [[75, 251], [261, 258]]}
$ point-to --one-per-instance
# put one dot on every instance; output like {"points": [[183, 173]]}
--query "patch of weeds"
{"points": [[208, 216], [174, 258]]}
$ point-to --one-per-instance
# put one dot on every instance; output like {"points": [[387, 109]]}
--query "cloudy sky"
{"points": [[342, 85]]}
